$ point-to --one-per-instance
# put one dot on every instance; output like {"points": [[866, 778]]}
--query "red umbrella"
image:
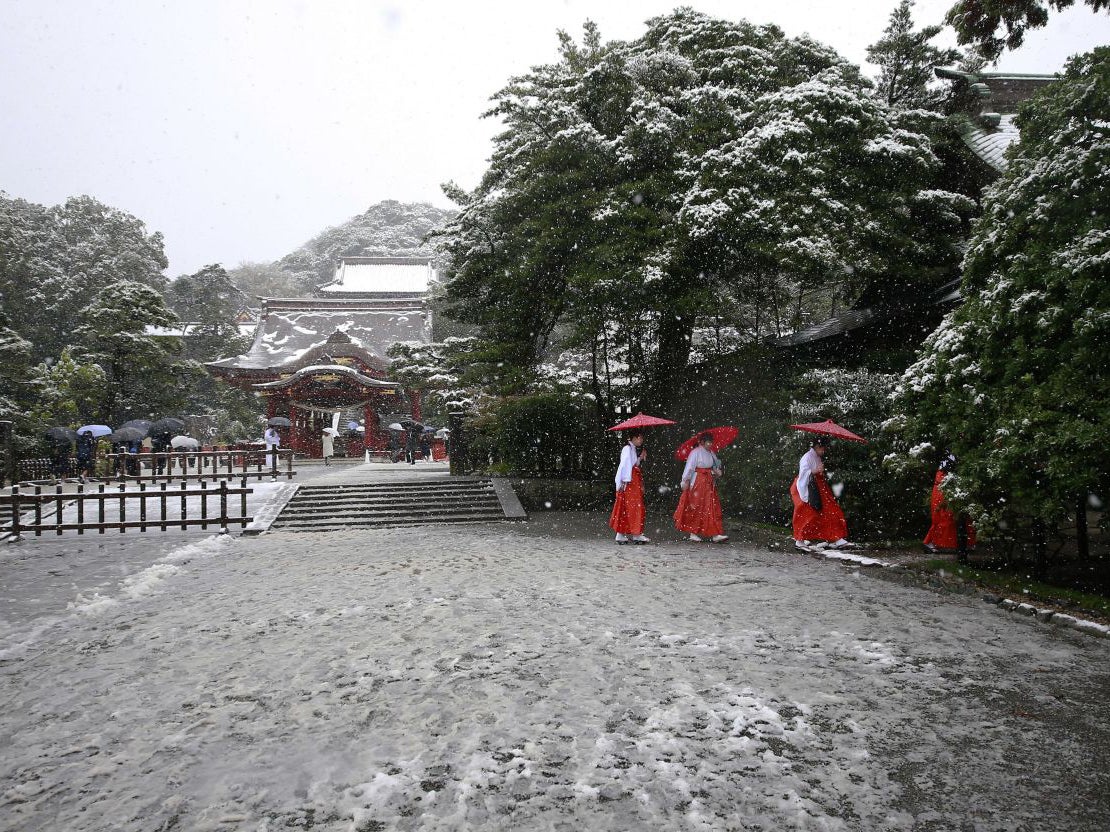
{"points": [[641, 421], [830, 428], [722, 438]]}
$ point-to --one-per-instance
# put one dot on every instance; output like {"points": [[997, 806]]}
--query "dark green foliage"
{"points": [[208, 304], [979, 22], [1016, 380], [544, 434]]}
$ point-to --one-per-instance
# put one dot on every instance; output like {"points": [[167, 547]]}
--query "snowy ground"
{"points": [[527, 677]]}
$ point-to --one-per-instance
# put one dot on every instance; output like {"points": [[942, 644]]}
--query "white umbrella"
{"points": [[184, 442], [95, 430], [396, 426], [331, 431], [443, 433]]}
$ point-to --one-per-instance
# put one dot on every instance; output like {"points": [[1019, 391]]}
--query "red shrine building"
{"points": [[321, 361]]}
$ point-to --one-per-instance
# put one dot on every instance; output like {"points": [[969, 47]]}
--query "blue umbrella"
{"points": [[95, 430]]}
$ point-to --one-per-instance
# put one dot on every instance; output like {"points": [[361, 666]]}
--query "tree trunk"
{"points": [[674, 356], [1082, 541]]}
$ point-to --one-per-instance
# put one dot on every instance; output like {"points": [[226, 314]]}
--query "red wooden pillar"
{"points": [[269, 407], [293, 437], [414, 398]]}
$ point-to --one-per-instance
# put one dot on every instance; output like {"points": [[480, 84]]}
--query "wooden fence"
{"points": [[72, 511], [171, 466]]}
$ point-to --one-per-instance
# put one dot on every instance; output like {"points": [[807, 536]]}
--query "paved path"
{"points": [[515, 677]]}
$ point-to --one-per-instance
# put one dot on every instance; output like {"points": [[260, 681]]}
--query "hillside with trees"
{"points": [[388, 228]]}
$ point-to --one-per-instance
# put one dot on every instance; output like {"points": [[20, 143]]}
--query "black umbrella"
{"points": [[279, 422], [61, 434], [167, 425], [125, 434], [139, 424]]}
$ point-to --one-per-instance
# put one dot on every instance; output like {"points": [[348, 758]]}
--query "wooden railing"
{"points": [[171, 508], [167, 466]]}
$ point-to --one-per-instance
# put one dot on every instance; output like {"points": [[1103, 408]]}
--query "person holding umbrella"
{"points": [[327, 444], [699, 508], [86, 449], [627, 517], [817, 516], [273, 440]]}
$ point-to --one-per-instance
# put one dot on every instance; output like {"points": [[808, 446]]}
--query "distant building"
{"points": [[316, 357]]}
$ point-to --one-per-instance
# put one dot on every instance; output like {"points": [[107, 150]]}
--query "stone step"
{"points": [[395, 489], [384, 522], [403, 502], [355, 511]]}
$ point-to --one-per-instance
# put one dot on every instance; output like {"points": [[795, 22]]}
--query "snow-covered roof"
{"points": [[186, 329], [989, 143], [325, 369], [296, 332], [383, 276]]}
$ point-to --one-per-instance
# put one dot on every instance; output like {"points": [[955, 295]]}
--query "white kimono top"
{"points": [[272, 438], [630, 458], [808, 465], [699, 458]]}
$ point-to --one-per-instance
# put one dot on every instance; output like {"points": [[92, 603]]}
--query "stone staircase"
{"points": [[401, 502]]}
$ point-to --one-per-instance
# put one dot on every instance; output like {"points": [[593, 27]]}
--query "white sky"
{"points": [[240, 128]]}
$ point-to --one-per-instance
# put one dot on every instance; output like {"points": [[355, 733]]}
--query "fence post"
{"points": [[81, 508], [101, 499], [58, 508], [122, 508], [162, 499], [204, 505], [273, 463], [142, 506], [184, 508], [15, 513], [223, 506], [38, 511]]}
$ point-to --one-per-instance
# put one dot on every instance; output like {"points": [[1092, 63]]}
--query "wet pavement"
{"points": [[528, 676]]}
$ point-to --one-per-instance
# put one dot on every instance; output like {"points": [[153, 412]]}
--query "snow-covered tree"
{"points": [[54, 261], [979, 22], [906, 60], [143, 374], [637, 182], [1016, 380], [442, 371]]}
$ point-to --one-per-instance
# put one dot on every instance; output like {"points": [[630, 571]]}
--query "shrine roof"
{"points": [[990, 101], [303, 330], [381, 276], [326, 369]]}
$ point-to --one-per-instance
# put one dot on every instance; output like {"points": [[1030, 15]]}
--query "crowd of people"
{"points": [[817, 523]]}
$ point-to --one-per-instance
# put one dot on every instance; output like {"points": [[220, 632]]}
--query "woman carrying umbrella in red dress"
{"points": [[699, 509], [627, 517], [817, 515]]}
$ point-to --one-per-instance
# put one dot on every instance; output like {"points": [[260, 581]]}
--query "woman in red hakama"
{"points": [[817, 516], [699, 508], [944, 531], [627, 518]]}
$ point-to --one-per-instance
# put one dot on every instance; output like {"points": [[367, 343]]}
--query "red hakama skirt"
{"points": [[809, 523], [628, 508], [942, 532], [699, 508]]}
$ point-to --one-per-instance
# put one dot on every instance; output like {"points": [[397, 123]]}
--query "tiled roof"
{"points": [[295, 332]]}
